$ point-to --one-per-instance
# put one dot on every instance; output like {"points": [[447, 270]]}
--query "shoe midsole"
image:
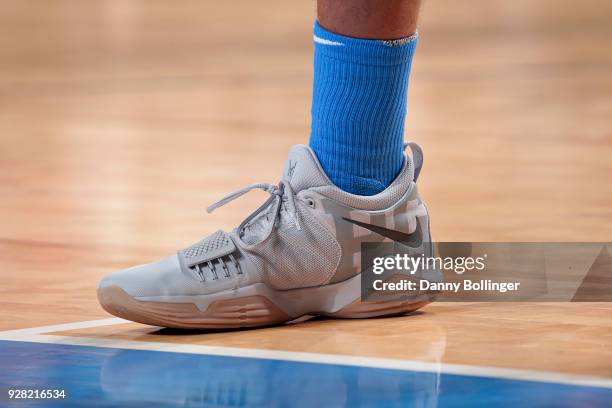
{"points": [[295, 302]]}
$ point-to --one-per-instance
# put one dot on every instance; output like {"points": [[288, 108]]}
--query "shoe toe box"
{"points": [[159, 278], [142, 293]]}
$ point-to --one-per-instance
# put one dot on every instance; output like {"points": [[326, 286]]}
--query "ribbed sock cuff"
{"points": [[370, 52]]}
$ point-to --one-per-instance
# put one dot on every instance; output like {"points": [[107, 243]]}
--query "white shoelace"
{"points": [[277, 194]]}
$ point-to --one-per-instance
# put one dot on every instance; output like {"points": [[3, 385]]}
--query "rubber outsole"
{"points": [[246, 311]]}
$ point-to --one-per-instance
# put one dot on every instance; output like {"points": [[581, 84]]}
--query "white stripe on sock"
{"points": [[323, 41]]}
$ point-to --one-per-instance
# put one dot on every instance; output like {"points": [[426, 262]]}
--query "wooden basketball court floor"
{"points": [[121, 120]]}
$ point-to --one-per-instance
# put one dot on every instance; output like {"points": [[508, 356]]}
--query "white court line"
{"points": [[36, 335], [64, 327]]}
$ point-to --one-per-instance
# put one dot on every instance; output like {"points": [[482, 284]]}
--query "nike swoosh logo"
{"points": [[414, 240]]}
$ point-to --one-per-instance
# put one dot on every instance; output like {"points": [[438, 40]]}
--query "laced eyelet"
{"points": [[282, 197]]}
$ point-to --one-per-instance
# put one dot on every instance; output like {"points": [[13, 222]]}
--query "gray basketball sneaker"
{"points": [[298, 254]]}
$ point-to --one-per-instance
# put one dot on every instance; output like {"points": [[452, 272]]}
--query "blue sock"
{"points": [[359, 108]]}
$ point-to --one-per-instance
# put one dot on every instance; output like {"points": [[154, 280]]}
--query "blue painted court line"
{"points": [[105, 377]]}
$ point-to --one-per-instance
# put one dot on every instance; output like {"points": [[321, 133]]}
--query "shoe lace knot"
{"points": [[279, 194]]}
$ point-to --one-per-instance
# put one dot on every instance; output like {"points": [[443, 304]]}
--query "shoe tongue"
{"points": [[302, 169]]}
